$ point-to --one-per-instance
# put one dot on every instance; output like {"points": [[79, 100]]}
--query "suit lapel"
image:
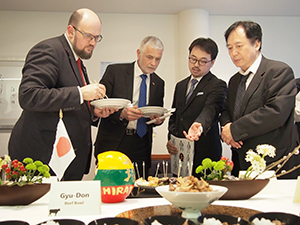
{"points": [[152, 86], [254, 84], [74, 67], [72, 61], [203, 82], [129, 79]]}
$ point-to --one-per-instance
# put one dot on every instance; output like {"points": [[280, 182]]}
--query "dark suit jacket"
{"points": [[267, 111], [49, 83], [118, 80], [204, 107]]}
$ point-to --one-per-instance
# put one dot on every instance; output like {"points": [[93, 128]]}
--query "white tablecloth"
{"points": [[276, 197]]}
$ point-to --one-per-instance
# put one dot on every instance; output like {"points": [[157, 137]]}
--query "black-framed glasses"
{"points": [[201, 62], [89, 37]]}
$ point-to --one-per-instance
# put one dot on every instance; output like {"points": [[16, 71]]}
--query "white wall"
{"points": [[122, 35], [280, 41]]}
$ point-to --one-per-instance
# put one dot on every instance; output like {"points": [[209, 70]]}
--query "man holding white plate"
{"points": [[126, 130]]}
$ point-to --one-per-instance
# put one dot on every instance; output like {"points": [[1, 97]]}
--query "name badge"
{"points": [[73, 198]]}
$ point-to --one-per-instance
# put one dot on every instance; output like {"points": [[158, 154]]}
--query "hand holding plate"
{"points": [[158, 119], [104, 112], [131, 113]]}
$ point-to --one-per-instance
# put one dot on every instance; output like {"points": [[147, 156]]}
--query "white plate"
{"points": [[145, 185], [152, 110], [116, 103]]}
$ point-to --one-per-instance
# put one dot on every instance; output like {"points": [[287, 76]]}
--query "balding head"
{"points": [[83, 24], [83, 16]]}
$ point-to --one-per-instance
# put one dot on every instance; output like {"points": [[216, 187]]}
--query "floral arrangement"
{"points": [[23, 173], [221, 169], [212, 170], [258, 163]]}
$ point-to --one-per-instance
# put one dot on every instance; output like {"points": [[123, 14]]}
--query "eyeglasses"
{"points": [[201, 62], [89, 37]]}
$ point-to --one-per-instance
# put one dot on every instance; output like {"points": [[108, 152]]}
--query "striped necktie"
{"points": [[193, 83], [239, 96]]}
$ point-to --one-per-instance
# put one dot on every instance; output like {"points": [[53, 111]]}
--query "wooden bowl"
{"points": [[240, 189], [16, 195]]}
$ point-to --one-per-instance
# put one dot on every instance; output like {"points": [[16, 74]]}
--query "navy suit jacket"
{"points": [[118, 80], [204, 107]]}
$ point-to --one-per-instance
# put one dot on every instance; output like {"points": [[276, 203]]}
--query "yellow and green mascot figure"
{"points": [[117, 176]]}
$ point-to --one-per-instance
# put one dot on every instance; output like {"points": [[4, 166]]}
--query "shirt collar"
{"points": [[197, 78], [71, 47], [254, 67], [138, 71]]}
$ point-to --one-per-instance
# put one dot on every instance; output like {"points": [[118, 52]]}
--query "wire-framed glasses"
{"points": [[201, 62], [89, 37]]}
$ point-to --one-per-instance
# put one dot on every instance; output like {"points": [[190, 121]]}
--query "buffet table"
{"points": [[276, 197]]}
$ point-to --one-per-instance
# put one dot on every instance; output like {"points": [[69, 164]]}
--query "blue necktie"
{"points": [[193, 82], [141, 128]]}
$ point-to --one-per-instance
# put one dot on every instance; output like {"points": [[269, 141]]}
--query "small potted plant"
{"points": [[21, 182]]}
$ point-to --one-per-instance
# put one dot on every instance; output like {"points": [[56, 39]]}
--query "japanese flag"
{"points": [[63, 152]]}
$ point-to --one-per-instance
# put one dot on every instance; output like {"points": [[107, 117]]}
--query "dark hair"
{"points": [[253, 31], [75, 18], [207, 45]]}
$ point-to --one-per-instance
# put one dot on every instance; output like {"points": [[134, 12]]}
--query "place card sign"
{"points": [[73, 198]]}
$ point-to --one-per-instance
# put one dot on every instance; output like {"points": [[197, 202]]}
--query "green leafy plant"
{"points": [[23, 173], [212, 170]]}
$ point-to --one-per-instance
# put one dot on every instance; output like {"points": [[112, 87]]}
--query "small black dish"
{"points": [[14, 222], [288, 219], [224, 218], [113, 221], [168, 220], [64, 222]]}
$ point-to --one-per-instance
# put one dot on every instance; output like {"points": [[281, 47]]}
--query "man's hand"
{"points": [[171, 148], [194, 132], [227, 137], [93, 91], [158, 121], [105, 112], [131, 113]]}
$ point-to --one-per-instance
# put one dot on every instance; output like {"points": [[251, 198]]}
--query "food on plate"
{"points": [[212, 221], [50, 222], [155, 181], [264, 221], [190, 184], [155, 222]]}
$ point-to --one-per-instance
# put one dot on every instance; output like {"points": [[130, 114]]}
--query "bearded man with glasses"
{"points": [[53, 79]]}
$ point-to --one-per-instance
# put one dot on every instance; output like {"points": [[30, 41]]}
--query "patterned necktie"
{"points": [[193, 83], [239, 97], [82, 73], [141, 128], [79, 64]]}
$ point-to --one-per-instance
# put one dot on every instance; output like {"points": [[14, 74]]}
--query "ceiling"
{"points": [[214, 7]]}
